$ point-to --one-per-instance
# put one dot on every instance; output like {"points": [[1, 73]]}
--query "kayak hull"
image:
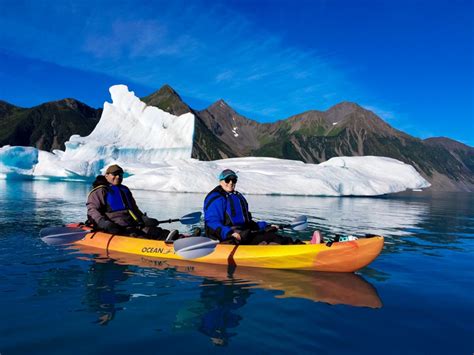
{"points": [[339, 257]]}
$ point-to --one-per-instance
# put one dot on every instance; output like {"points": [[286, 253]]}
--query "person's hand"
{"points": [[109, 227], [149, 222], [272, 228], [236, 236]]}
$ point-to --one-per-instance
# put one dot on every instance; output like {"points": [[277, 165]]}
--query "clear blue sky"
{"points": [[411, 62]]}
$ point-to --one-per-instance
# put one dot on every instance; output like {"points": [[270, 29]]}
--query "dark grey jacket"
{"points": [[97, 210]]}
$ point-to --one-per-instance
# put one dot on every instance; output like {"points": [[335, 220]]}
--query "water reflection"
{"points": [[346, 215], [332, 288], [215, 313], [42, 203], [103, 295], [58, 280], [100, 281], [223, 290]]}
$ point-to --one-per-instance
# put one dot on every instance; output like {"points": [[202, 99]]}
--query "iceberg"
{"points": [[17, 161], [154, 148], [341, 176], [129, 131]]}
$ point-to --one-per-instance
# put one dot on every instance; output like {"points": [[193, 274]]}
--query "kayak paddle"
{"points": [[194, 247], [298, 224], [197, 247], [62, 235], [66, 235], [191, 218]]}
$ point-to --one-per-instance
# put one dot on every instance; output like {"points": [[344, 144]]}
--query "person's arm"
{"points": [[95, 210], [214, 218], [96, 205], [260, 225]]}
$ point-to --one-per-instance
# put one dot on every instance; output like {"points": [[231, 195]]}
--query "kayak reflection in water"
{"points": [[216, 311], [227, 217], [101, 295]]}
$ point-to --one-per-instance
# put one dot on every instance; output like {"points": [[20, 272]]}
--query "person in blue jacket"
{"points": [[228, 219]]}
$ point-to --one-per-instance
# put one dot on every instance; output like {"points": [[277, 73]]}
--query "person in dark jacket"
{"points": [[112, 208], [228, 219]]}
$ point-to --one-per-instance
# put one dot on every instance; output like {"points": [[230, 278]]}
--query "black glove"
{"points": [[271, 228], [149, 222], [109, 227]]}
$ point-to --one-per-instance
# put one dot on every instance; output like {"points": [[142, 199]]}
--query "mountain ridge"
{"points": [[345, 129], [47, 126]]}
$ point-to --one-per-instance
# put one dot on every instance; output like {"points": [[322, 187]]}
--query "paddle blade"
{"points": [[194, 247], [191, 218], [299, 223], [62, 235], [300, 227]]}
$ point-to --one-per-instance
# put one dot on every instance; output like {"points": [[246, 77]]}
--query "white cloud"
{"points": [[225, 76]]}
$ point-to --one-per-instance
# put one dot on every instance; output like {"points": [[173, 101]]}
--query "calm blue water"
{"points": [[415, 298]]}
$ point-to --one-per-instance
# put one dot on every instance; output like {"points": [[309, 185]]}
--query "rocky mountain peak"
{"points": [[4, 104], [67, 103], [341, 110], [6, 108], [222, 111], [346, 105], [167, 99], [166, 89], [221, 106]]}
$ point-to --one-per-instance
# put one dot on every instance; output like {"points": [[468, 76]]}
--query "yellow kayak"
{"points": [[339, 257]]}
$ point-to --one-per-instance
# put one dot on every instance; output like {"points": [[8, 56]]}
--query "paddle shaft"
{"points": [[170, 220], [190, 218], [68, 233]]}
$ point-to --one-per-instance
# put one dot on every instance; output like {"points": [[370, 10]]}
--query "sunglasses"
{"points": [[229, 179], [116, 174]]}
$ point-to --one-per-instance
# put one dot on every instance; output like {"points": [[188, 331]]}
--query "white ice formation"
{"points": [[154, 147]]}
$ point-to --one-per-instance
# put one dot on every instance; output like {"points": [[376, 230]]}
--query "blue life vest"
{"points": [[118, 198]]}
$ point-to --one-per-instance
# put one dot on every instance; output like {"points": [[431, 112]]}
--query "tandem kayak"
{"points": [[347, 256]]}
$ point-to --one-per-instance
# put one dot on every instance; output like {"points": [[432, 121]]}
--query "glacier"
{"points": [[154, 148]]}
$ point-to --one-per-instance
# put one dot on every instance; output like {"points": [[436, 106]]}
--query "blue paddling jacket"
{"points": [[225, 212]]}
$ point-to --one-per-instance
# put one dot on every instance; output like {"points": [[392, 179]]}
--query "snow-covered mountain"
{"points": [[155, 148]]}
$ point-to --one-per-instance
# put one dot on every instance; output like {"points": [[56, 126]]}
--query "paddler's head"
{"points": [[114, 174], [228, 180]]}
